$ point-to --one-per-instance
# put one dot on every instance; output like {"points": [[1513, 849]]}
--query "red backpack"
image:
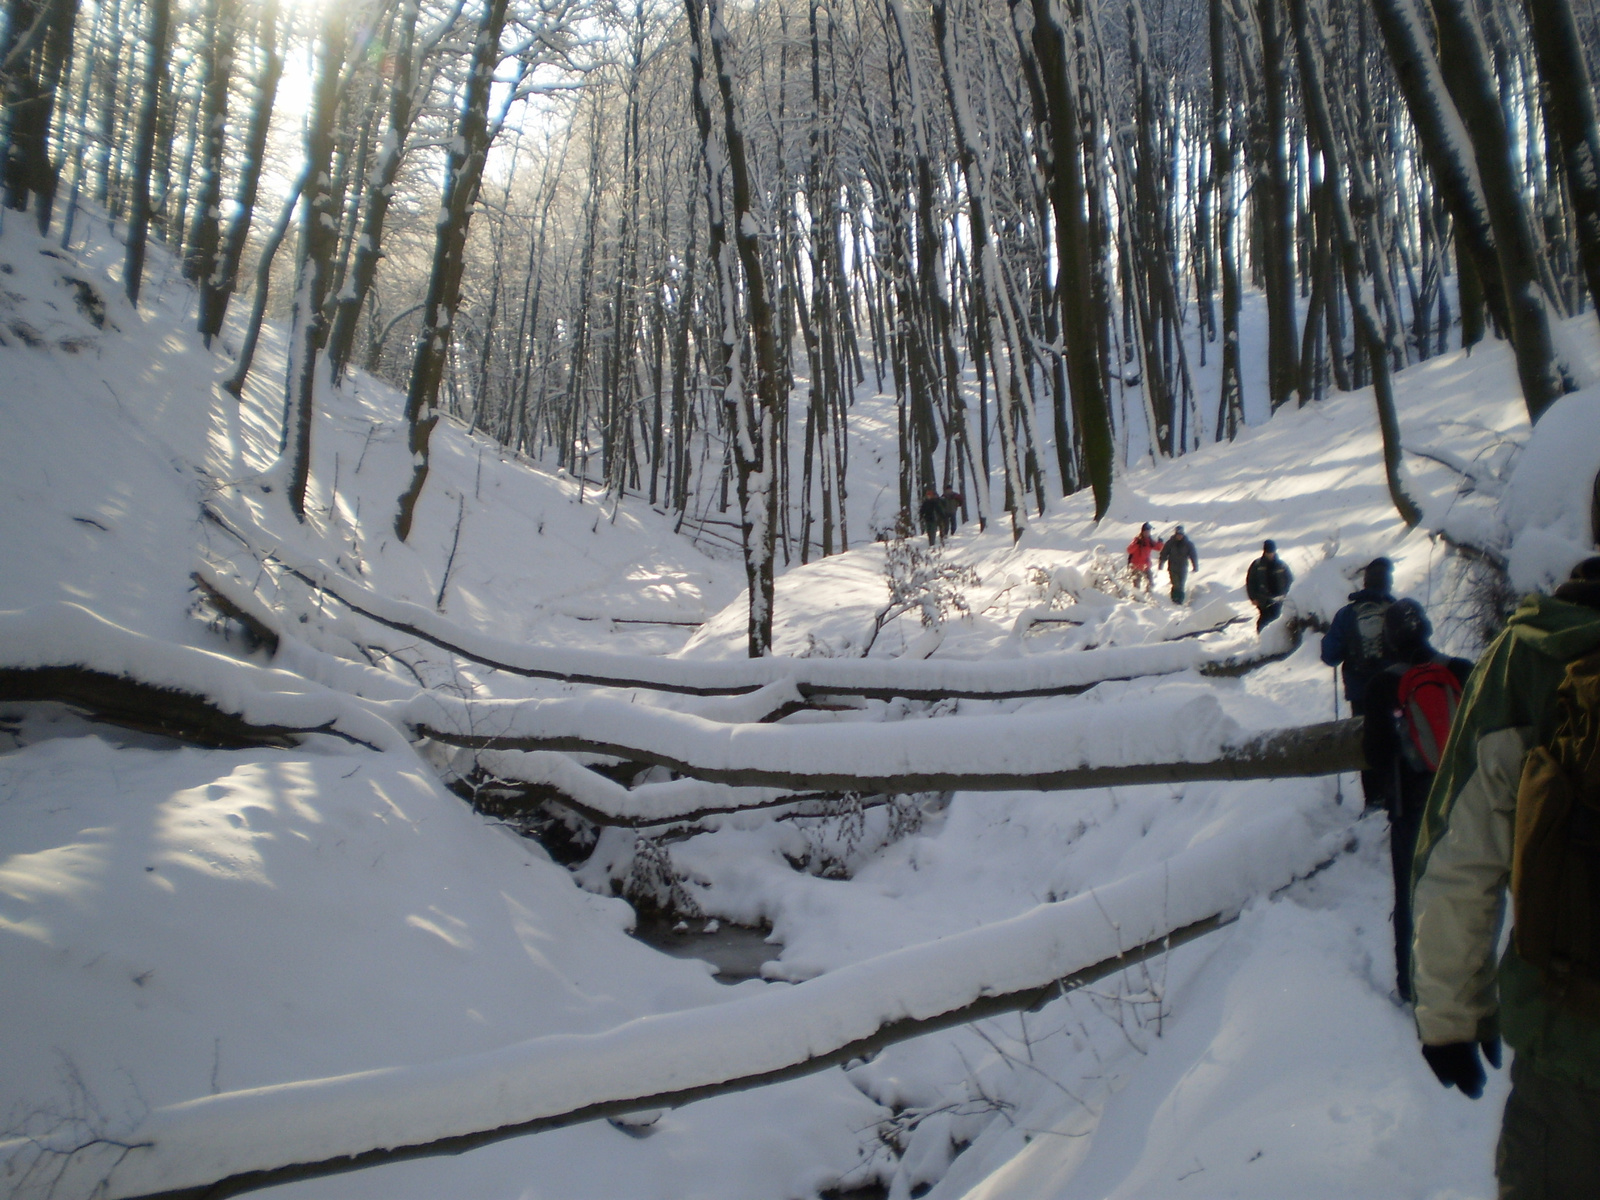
{"points": [[1427, 699]]}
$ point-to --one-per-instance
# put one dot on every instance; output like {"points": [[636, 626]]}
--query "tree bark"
{"points": [[319, 239], [217, 287], [144, 148], [463, 173]]}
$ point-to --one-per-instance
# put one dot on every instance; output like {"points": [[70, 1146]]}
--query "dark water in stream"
{"points": [[736, 951]]}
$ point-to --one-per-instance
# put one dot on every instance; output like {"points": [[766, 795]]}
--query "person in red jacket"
{"points": [[1140, 553]]}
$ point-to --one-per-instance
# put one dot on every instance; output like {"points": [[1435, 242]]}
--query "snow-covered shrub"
{"points": [[920, 580]]}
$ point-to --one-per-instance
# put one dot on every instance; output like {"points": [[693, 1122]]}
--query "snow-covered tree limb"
{"points": [[222, 1145]]}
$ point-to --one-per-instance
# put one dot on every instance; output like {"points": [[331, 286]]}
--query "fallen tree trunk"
{"points": [[223, 1145], [1043, 752], [1064, 674], [525, 782], [132, 704], [64, 653]]}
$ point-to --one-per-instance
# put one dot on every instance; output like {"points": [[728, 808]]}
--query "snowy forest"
{"points": [[486, 705], [1033, 226]]}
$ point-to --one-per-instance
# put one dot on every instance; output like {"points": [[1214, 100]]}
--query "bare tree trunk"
{"points": [[1573, 134], [217, 287], [201, 260], [463, 173], [379, 192], [319, 239], [1312, 54], [258, 308], [144, 147], [1046, 63], [1230, 399]]}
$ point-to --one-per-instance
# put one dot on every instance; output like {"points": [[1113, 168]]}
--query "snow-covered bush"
{"points": [[920, 580]]}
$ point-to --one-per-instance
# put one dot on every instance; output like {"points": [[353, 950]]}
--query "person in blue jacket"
{"points": [[1354, 642]]}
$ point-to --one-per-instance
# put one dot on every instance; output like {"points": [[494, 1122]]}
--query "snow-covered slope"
{"points": [[176, 923]]}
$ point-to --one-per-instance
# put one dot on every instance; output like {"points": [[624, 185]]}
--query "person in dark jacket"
{"points": [[1267, 582], [931, 514], [1401, 779], [1177, 556], [1354, 644], [953, 503], [1354, 641]]}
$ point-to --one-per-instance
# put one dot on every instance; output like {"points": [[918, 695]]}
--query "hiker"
{"points": [[932, 514], [1266, 583], [953, 503], [1354, 644], [1139, 552], [1354, 641], [1177, 556], [1409, 704], [1529, 721]]}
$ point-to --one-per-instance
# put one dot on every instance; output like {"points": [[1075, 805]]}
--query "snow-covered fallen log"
{"points": [[222, 1145], [935, 679], [65, 653], [1103, 746], [545, 776]]}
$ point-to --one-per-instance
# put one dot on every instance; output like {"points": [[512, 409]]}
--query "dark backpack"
{"points": [[1555, 866], [1426, 701], [1369, 631]]}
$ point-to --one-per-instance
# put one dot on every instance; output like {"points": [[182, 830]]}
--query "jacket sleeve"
{"points": [[1333, 640], [1194, 556], [1459, 897]]}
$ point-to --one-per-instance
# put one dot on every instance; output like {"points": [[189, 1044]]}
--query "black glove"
{"points": [[1491, 1050], [1457, 1065]]}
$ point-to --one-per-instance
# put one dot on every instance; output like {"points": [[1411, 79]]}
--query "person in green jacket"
{"points": [[1550, 1134]]}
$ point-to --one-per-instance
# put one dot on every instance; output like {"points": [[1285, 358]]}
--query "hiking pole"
{"points": [[1338, 780]]}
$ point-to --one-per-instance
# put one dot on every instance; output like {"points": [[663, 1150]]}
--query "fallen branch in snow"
{"points": [[1102, 747], [1041, 675], [131, 704], [67, 654], [1279, 641], [525, 781], [223, 1145], [1475, 553], [243, 606]]}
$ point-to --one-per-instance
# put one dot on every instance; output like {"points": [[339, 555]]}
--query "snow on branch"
{"points": [[556, 778], [1104, 746], [65, 653], [1040, 675], [222, 1145]]}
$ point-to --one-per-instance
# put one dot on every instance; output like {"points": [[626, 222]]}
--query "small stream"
{"points": [[736, 951]]}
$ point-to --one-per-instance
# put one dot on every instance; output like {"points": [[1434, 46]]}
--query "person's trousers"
{"points": [[1405, 816], [1549, 1139], [1180, 586], [1269, 613]]}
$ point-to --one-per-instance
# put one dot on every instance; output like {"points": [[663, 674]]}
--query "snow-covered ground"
{"points": [[179, 923]]}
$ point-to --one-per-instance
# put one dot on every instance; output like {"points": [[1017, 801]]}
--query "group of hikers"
{"points": [[1177, 554], [1266, 582], [1490, 778], [1490, 775], [940, 515]]}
